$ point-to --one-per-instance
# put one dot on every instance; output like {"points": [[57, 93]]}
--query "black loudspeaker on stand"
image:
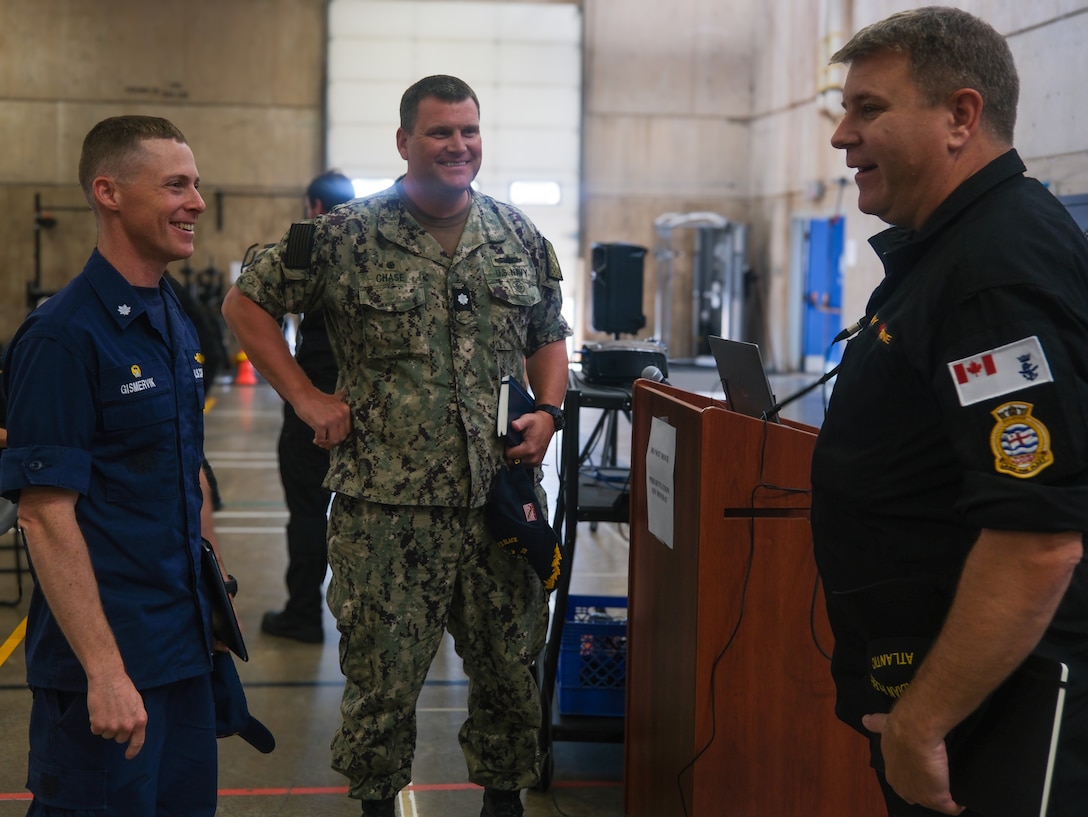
{"points": [[617, 288]]}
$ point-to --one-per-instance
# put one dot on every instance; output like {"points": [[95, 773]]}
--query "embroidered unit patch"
{"points": [[999, 371], [1021, 444]]}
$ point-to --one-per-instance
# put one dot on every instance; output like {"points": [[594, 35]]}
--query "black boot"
{"points": [[380, 808], [282, 625], [300, 620], [502, 804]]}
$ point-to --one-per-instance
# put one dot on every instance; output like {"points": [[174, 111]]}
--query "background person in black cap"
{"points": [[303, 465]]}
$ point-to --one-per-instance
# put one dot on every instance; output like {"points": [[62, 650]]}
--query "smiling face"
{"points": [[899, 145], [443, 151], [159, 202]]}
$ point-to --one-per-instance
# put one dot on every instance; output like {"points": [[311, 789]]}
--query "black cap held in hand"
{"points": [[518, 524], [231, 711]]}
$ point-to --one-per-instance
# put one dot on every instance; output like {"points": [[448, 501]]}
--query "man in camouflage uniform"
{"points": [[432, 293]]}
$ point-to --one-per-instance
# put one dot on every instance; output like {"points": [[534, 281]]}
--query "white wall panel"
{"points": [[476, 66], [364, 151], [392, 18], [530, 153], [384, 59], [562, 24], [540, 64], [372, 102], [547, 108], [1044, 92]]}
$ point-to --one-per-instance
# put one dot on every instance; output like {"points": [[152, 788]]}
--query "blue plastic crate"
{"points": [[593, 656]]}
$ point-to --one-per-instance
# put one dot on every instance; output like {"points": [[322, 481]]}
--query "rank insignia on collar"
{"points": [[462, 298], [1020, 443], [123, 310]]}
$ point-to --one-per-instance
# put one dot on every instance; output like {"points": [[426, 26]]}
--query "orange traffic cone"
{"points": [[247, 375]]}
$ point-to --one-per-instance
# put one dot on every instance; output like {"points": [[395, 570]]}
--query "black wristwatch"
{"points": [[231, 584], [558, 417]]}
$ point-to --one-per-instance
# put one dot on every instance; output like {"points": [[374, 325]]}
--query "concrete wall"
{"points": [[243, 79], [666, 128], [697, 105]]}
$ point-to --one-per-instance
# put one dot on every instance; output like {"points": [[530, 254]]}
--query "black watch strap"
{"points": [[232, 585], [558, 417]]}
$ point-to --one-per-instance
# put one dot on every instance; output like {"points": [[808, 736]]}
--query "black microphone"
{"points": [[655, 374], [851, 330]]}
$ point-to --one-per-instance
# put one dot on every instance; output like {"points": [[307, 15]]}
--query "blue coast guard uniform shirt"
{"points": [[106, 401]]}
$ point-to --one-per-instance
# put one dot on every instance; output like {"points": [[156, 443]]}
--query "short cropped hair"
{"points": [[330, 188], [110, 145], [440, 86], [948, 49]]}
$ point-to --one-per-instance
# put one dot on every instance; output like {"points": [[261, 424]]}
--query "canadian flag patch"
{"points": [[995, 372], [530, 511]]}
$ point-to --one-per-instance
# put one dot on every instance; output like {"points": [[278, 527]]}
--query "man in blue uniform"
{"points": [[105, 402], [951, 472]]}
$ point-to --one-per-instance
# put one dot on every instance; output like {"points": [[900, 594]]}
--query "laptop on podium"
{"points": [[744, 380]]}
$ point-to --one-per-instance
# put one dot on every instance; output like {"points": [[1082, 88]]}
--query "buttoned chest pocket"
{"points": [[514, 292], [394, 322], [139, 435]]}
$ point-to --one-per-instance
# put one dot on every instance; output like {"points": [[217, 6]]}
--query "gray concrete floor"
{"points": [[295, 689]]}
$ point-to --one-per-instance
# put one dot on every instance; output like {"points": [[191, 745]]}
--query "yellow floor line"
{"points": [[13, 641]]}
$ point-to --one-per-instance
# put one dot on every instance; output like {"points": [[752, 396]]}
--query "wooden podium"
{"points": [[730, 704]]}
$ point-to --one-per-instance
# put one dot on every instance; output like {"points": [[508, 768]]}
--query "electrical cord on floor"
{"points": [[555, 806]]}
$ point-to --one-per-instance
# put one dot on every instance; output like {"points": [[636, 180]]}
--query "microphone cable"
{"points": [[848, 332]]}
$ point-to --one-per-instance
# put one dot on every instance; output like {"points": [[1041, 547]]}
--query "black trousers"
{"points": [[302, 470]]}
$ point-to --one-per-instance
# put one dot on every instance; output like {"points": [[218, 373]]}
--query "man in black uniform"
{"points": [[303, 465], [950, 476]]}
